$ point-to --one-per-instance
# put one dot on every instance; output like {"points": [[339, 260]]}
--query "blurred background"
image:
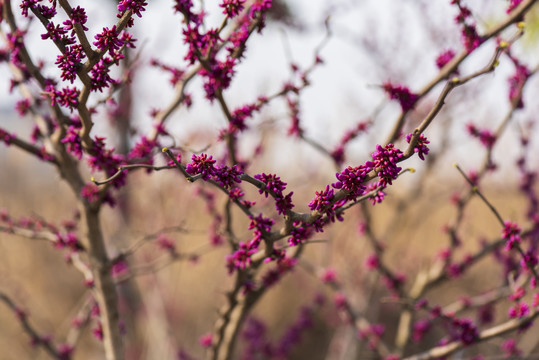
{"points": [[166, 310]]}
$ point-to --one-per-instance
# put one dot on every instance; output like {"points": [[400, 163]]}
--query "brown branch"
{"points": [[495, 331], [37, 339], [451, 67]]}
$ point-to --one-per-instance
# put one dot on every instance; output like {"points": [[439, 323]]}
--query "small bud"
{"points": [[496, 63]]}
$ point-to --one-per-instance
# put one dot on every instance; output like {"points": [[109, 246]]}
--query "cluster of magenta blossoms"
{"points": [[91, 63], [511, 233], [241, 258], [338, 153], [469, 36], [485, 136], [204, 45], [402, 94], [352, 180], [204, 166], [259, 343], [516, 82], [445, 57], [109, 43], [421, 148], [275, 186]]}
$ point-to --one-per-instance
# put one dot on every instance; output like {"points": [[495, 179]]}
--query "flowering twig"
{"points": [[36, 338]]}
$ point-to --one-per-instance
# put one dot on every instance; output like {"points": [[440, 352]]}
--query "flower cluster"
{"points": [[516, 82], [402, 94], [15, 42], [201, 164], [237, 40], [218, 76], [322, 200], [226, 176], [78, 16], [385, 161], [239, 115], [27, 5], [421, 147], [239, 259], [486, 137], [165, 243], [57, 34], [258, 12], [283, 266], [261, 226], [510, 349], [143, 150], [465, 331], [6, 137], [136, 6], [295, 128], [338, 153], [470, 39], [511, 233], [420, 329], [100, 75], [67, 97], [103, 159], [206, 340], [73, 142], [372, 262], [199, 44], [529, 259], [275, 186], [108, 40], [444, 58], [232, 7], [352, 179], [203, 45], [90, 192], [300, 233], [520, 310], [70, 62], [22, 106]]}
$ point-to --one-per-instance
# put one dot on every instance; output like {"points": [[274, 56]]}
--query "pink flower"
{"points": [[206, 340]]}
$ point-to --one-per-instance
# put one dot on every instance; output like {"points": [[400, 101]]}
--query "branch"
{"points": [[37, 339], [445, 350]]}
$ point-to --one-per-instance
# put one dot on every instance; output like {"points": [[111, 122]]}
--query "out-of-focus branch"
{"points": [[498, 330], [450, 68], [36, 338]]}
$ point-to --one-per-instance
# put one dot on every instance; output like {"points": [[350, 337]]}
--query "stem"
{"points": [[105, 290]]}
